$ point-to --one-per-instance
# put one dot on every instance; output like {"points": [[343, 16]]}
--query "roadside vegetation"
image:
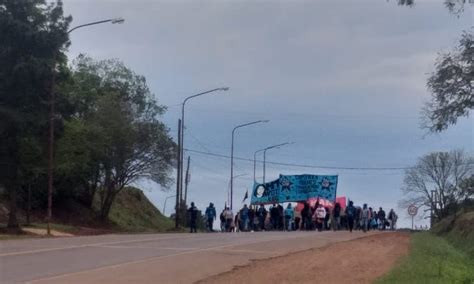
{"points": [[443, 255], [106, 122], [131, 212]]}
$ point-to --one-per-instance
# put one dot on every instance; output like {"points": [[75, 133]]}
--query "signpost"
{"points": [[412, 211]]}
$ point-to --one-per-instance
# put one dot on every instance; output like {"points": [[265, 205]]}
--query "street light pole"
{"points": [[51, 125], [265, 155], [181, 146], [164, 206], [255, 164], [228, 186], [232, 157]]}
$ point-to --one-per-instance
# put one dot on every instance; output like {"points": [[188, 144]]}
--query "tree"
{"points": [[114, 133], [452, 86], [33, 38], [455, 7], [443, 173]]}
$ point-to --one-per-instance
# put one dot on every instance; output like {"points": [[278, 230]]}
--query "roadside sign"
{"points": [[412, 210]]}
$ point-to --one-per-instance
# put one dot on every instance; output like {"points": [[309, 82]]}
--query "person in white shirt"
{"points": [[319, 215]]}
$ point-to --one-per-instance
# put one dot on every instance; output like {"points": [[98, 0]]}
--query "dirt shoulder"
{"points": [[358, 261]]}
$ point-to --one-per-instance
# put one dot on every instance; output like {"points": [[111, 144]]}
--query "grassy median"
{"points": [[432, 259]]}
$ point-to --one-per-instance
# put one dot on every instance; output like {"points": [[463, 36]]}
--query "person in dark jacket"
{"points": [[350, 215], [336, 214], [306, 216], [381, 217], [281, 217], [193, 213], [251, 219], [274, 215], [262, 216], [210, 216]]}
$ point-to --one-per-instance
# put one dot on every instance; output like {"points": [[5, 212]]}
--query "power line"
{"points": [[303, 165]]}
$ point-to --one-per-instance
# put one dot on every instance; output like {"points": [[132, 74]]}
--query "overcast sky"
{"points": [[344, 81]]}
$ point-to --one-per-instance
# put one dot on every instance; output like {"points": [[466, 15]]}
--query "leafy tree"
{"points": [[452, 86], [441, 172], [114, 136], [33, 37]]}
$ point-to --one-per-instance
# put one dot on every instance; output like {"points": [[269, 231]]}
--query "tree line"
{"points": [[107, 126]]}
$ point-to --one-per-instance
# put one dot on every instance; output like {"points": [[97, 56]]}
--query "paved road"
{"points": [[147, 258]]}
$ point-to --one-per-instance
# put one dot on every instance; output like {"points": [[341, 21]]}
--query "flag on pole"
{"points": [[246, 196]]}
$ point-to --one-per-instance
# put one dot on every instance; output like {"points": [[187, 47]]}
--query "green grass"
{"points": [[14, 237], [432, 259], [460, 233], [133, 212]]}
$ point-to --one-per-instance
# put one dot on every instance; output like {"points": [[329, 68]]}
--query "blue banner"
{"points": [[293, 188]]}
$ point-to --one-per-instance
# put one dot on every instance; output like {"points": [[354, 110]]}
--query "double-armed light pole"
{"points": [[51, 123], [181, 125], [232, 157]]}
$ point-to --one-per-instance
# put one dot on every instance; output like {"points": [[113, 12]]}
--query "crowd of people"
{"points": [[317, 217]]}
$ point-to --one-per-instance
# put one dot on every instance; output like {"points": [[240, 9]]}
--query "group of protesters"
{"points": [[317, 217]]}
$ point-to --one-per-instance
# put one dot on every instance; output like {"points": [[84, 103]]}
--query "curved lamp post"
{"points": [[265, 153], [181, 146], [232, 157]]}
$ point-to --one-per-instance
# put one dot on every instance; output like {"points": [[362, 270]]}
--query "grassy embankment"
{"points": [[131, 212], [443, 255]]}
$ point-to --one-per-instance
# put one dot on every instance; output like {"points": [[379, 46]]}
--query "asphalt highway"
{"points": [[148, 258]]}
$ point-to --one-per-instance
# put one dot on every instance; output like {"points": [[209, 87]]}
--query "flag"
{"points": [[246, 196]]}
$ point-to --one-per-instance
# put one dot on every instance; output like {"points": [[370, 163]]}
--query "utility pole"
{"points": [[178, 178], [186, 182]]}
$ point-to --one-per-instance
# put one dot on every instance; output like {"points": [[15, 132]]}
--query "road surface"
{"points": [[148, 258]]}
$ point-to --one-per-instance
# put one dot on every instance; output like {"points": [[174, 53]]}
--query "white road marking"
{"points": [[162, 257], [85, 245]]}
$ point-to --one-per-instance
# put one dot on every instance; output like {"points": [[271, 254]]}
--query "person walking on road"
{"points": [[281, 217], [211, 216], [244, 218], [364, 218], [336, 216], [319, 216], [222, 219], [289, 215], [381, 216], [262, 216], [274, 216], [306, 217], [228, 216], [350, 214], [392, 218], [297, 214], [193, 212]]}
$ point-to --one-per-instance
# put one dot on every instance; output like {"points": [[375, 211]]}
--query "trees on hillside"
{"points": [[113, 136], [33, 37], [443, 173], [106, 119]]}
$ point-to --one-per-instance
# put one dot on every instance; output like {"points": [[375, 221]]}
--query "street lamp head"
{"points": [[118, 21], [224, 89], [265, 121]]}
